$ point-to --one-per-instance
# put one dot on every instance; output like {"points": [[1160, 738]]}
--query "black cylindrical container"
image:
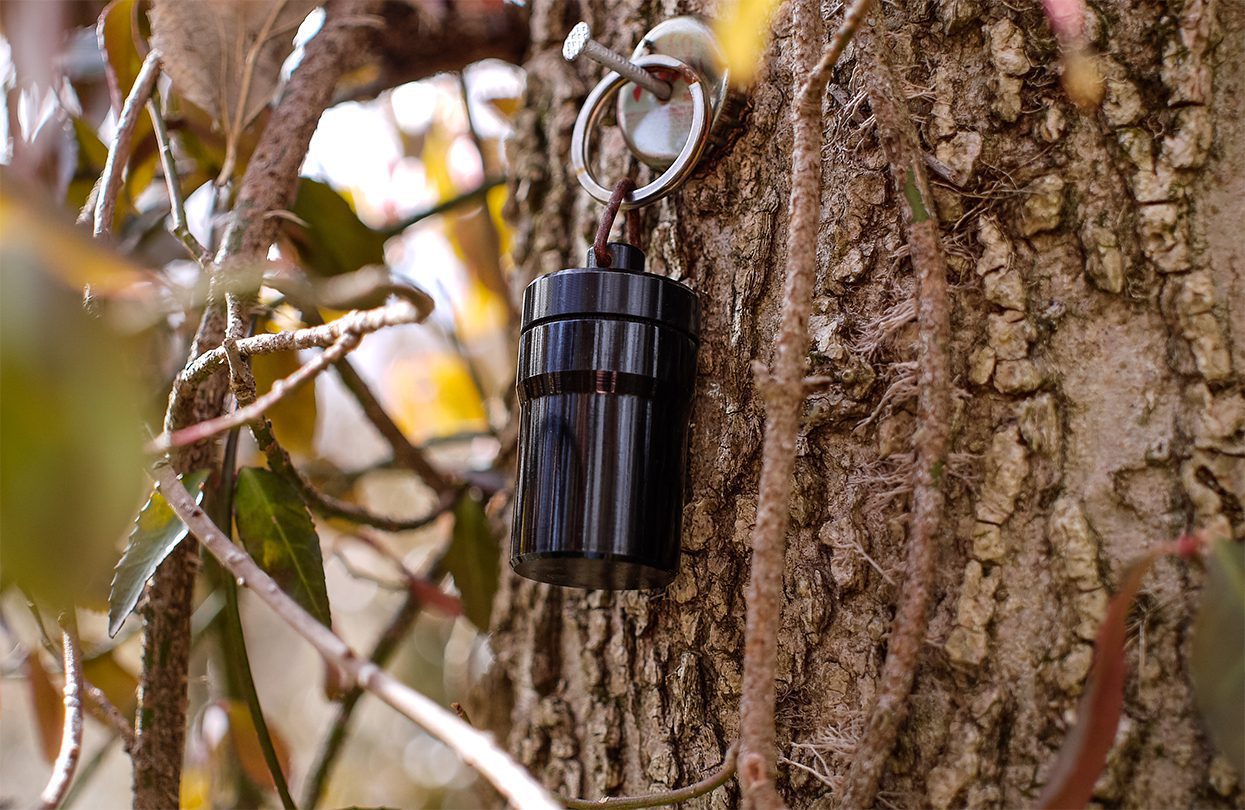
{"points": [[607, 361]]}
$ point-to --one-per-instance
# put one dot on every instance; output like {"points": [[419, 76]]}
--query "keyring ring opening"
{"points": [[678, 171]]}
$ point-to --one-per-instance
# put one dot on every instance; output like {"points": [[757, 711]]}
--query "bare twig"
{"points": [[758, 751], [445, 205], [71, 735], [102, 709], [119, 150], [88, 770], [315, 337], [932, 437], [255, 409], [177, 201], [711, 782], [476, 748]]}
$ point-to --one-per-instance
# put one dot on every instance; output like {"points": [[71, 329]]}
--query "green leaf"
{"points": [[1217, 660], [472, 559], [333, 241], [276, 530], [157, 531]]}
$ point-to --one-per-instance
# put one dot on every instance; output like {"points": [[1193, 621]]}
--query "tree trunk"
{"points": [[1098, 312]]}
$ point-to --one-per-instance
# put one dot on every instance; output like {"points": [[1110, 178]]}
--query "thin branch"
{"points": [[315, 337], [405, 453], [87, 771], [712, 782], [71, 734], [445, 205], [119, 150], [932, 437], [758, 751], [475, 748], [328, 506], [102, 709], [254, 410], [177, 201]]}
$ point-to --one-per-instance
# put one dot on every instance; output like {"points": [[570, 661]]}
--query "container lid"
{"points": [[625, 291]]}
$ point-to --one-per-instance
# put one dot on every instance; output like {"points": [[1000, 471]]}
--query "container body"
{"points": [[607, 362]]}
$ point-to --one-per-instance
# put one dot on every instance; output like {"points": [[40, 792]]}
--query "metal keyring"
{"points": [[679, 170]]}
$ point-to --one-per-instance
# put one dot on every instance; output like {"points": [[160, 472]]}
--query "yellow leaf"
{"points": [[505, 106], [117, 683], [434, 396], [496, 199], [196, 789], [744, 31], [480, 313], [294, 417]]}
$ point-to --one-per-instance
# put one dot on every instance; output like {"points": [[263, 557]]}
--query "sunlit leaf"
{"points": [[743, 31], [334, 241], [246, 746], [434, 395], [1217, 659], [117, 683], [276, 529], [294, 417], [47, 705], [196, 787], [472, 559], [157, 531], [475, 241]]}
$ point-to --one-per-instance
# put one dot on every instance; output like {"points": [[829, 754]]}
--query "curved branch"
{"points": [[475, 748], [684, 794], [314, 337]]}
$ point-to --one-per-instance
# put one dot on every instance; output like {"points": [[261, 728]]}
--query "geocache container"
{"points": [[607, 362]]}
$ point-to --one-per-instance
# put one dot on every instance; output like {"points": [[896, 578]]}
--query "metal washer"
{"points": [[655, 130], [677, 171]]}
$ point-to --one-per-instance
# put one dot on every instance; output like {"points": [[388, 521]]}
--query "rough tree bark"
{"points": [[1097, 355]]}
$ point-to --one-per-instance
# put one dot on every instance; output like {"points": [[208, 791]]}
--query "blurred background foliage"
{"points": [[408, 178]]}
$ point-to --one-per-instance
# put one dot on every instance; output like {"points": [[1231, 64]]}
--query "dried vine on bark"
{"points": [[758, 751], [932, 438]]}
